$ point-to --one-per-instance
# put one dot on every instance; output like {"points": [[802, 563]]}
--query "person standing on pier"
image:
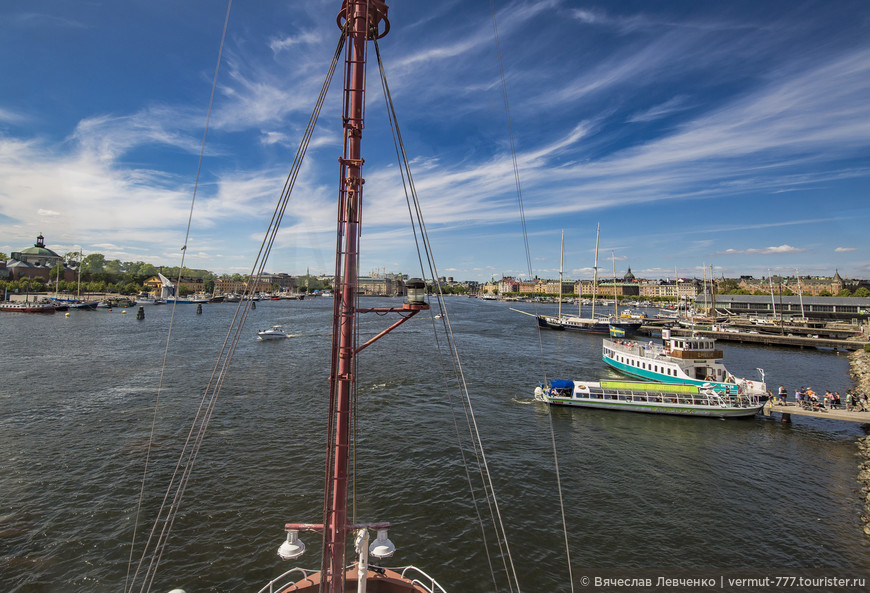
{"points": [[783, 394]]}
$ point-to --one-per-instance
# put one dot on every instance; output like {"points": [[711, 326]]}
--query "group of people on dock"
{"points": [[805, 397]]}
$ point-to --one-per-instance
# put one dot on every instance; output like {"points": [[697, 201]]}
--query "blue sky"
{"points": [[726, 134]]}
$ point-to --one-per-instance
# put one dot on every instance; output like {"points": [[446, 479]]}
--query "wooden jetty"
{"points": [[828, 414], [766, 339]]}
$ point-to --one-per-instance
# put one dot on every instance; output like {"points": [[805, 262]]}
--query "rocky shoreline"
{"points": [[859, 370]]}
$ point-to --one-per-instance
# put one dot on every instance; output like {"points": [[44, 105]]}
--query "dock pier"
{"points": [[766, 339], [826, 413]]}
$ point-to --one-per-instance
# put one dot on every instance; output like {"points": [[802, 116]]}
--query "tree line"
{"points": [[101, 275]]}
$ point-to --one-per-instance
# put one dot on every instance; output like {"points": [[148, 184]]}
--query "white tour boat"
{"points": [[654, 398], [688, 360]]}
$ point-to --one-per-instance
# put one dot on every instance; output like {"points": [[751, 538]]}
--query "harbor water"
{"points": [[640, 491]]}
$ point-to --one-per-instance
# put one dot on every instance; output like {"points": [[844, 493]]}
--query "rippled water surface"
{"points": [[640, 491]]}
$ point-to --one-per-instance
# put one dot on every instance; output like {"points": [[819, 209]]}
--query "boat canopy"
{"points": [[561, 384], [658, 387]]}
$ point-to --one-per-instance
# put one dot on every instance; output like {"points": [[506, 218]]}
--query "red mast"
{"points": [[361, 20]]}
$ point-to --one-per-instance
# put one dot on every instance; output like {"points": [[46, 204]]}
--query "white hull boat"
{"points": [[687, 360], [276, 332], [651, 398]]}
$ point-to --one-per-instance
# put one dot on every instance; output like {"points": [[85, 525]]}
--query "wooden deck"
{"points": [[861, 417]]}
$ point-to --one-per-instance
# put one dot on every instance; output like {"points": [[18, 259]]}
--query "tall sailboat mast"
{"points": [[361, 20], [801, 294], [772, 301], [595, 272], [615, 300], [561, 265]]}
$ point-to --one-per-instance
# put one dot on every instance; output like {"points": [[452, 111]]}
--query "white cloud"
{"points": [[776, 250], [307, 38], [671, 106]]}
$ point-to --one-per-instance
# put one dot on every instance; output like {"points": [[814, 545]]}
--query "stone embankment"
{"points": [[860, 371]]}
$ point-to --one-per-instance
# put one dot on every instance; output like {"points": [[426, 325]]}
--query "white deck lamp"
{"points": [[382, 547], [292, 547]]}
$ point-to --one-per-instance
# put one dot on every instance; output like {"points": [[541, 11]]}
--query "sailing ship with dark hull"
{"points": [[602, 324]]}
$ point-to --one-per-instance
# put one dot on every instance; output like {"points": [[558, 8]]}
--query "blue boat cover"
{"points": [[559, 384]]}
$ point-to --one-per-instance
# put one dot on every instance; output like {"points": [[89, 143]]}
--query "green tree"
{"points": [[94, 267], [3, 255], [825, 293], [844, 293], [56, 274], [727, 286], [114, 267], [861, 292]]}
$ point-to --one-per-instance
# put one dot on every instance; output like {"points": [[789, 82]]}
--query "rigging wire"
{"points": [[154, 548], [172, 315], [416, 215], [529, 264]]}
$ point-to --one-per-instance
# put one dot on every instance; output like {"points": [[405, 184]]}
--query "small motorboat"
{"points": [[276, 332]]}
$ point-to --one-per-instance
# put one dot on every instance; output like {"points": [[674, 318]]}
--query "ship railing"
{"points": [[643, 396], [411, 573], [636, 348], [419, 577], [291, 576]]}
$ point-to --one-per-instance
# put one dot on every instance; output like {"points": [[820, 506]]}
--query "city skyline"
{"points": [[735, 136], [383, 272]]}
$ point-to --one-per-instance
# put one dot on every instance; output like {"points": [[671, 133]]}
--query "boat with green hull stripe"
{"points": [[653, 398]]}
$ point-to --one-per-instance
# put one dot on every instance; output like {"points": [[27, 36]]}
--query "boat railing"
{"points": [[638, 349], [411, 573], [419, 577], [709, 398], [291, 576]]}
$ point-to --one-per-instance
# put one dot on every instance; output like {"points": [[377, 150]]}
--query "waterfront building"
{"points": [[385, 285], [807, 285], [508, 285], [659, 288], [849, 309], [36, 262], [551, 287]]}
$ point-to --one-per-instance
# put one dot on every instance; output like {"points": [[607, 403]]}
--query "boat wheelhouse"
{"points": [[691, 360], [652, 398]]}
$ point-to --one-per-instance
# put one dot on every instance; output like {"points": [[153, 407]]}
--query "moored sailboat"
{"points": [[592, 324]]}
